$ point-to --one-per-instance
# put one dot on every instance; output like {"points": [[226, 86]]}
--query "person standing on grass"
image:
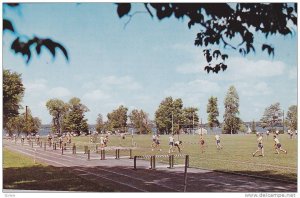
{"points": [[105, 141], [260, 147], [153, 145], [178, 144], [22, 138], [171, 143], [277, 145], [202, 142], [218, 142], [102, 144]]}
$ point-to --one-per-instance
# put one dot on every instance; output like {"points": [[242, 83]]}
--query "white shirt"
{"points": [[171, 139], [217, 137]]}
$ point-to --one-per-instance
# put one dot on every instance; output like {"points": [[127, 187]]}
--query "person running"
{"points": [[218, 142], [171, 143], [22, 138], [157, 142], [277, 145], [202, 142], [102, 145], [153, 141], [105, 141], [260, 146], [178, 144]]}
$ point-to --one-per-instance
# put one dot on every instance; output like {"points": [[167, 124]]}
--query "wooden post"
{"points": [[154, 163], [116, 153], [170, 161], [62, 150], [134, 162], [185, 172], [130, 152], [45, 144], [89, 154]]}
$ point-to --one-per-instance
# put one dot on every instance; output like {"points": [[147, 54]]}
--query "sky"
{"points": [[140, 64]]}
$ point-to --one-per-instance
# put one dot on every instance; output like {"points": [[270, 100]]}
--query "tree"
{"points": [[225, 24], [57, 109], [253, 126], [272, 116], [13, 92], [100, 125], [213, 112], [190, 118], [117, 119], [292, 118], [231, 121], [74, 120], [140, 121], [23, 123], [169, 115]]}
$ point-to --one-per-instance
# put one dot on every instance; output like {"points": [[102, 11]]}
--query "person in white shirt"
{"points": [[260, 146], [218, 142], [171, 143], [102, 145], [277, 145]]}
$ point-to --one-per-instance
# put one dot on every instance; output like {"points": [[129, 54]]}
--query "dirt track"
{"points": [[119, 174]]}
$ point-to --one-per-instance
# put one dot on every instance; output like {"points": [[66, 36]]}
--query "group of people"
{"points": [[260, 147]]}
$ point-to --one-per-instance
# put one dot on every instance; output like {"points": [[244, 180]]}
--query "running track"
{"points": [[119, 174]]}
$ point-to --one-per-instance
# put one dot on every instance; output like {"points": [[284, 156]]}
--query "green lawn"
{"points": [[236, 156], [22, 173]]}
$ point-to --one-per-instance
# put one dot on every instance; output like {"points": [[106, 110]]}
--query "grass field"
{"points": [[236, 155], [21, 172]]}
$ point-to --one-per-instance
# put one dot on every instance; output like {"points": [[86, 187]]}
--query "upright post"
{"points": [[130, 153], [89, 154], [134, 162], [185, 172], [170, 163], [151, 163], [116, 153], [62, 150], [45, 144]]}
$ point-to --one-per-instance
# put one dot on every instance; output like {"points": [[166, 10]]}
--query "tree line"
{"points": [[170, 117]]}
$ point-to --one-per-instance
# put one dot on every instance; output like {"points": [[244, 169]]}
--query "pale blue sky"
{"points": [[138, 66]]}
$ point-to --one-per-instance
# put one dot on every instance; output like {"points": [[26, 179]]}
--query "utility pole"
{"points": [[172, 123], [283, 120], [193, 125], [26, 112]]}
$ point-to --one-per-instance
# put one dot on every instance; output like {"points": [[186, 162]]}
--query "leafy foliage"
{"points": [[272, 116], [167, 111], [24, 46], [140, 121], [190, 118], [213, 112], [13, 92], [231, 121], [292, 117], [100, 125], [74, 120], [117, 119], [57, 109], [220, 23]]}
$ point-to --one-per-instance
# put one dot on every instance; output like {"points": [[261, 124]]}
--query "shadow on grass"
{"points": [[47, 178], [125, 179]]}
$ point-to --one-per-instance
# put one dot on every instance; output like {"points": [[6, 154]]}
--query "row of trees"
{"points": [[68, 117], [13, 93], [170, 117]]}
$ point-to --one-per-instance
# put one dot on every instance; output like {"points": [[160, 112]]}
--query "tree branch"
{"points": [[131, 15]]}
